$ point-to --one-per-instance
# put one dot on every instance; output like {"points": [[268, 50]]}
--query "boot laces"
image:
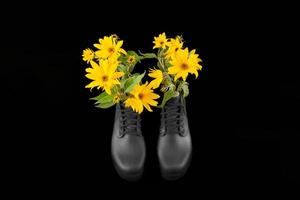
{"points": [[129, 121], [172, 115]]}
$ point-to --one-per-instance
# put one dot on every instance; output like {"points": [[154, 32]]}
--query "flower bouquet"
{"points": [[111, 69]]}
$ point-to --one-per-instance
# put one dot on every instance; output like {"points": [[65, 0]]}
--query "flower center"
{"points": [[176, 49], [141, 96], [116, 98], [104, 78], [162, 42], [131, 59], [111, 50], [184, 66]]}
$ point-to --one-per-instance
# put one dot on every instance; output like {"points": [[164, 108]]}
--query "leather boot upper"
{"points": [[128, 146], [174, 144]]}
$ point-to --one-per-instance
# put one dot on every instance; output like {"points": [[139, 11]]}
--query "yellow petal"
{"points": [[199, 67], [194, 71], [173, 70], [123, 51], [92, 85], [107, 89], [177, 76], [117, 75], [184, 75], [154, 84], [115, 82], [153, 96], [94, 65], [139, 108], [88, 70], [155, 73], [152, 102], [147, 107], [98, 46], [101, 54], [119, 44], [135, 104], [183, 54], [104, 66], [91, 76], [127, 102]]}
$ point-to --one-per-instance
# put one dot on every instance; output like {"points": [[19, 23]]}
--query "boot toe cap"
{"points": [[174, 156], [129, 156]]}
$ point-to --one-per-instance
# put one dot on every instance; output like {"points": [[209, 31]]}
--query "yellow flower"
{"points": [[109, 46], [135, 104], [158, 75], [195, 58], [87, 55], [183, 63], [103, 75], [141, 96], [116, 98], [160, 41], [131, 60], [174, 45]]}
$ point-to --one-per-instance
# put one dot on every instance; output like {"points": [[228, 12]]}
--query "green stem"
{"points": [[161, 64]]}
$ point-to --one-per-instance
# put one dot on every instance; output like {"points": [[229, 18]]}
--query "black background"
{"points": [[242, 109]]}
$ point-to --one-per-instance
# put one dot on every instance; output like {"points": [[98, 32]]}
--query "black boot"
{"points": [[128, 146], [174, 143]]}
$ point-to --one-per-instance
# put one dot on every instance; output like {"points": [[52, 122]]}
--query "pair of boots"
{"points": [[174, 143]]}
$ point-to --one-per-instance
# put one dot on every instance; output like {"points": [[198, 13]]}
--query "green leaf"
{"points": [[148, 55], [132, 81], [122, 68], [105, 100], [167, 96], [123, 58], [105, 105], [132, 53], [102, 98], [114, 90], [128, 81], [122, 82], [185, 89], [168, 64]]}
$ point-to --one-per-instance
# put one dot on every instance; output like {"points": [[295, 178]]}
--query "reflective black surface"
{"points": [[242, 109]]}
